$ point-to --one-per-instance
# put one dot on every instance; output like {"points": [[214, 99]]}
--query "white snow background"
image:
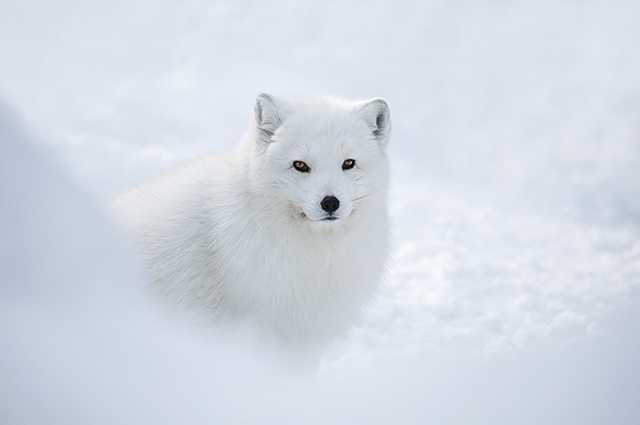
{"points": [[513, 294]]}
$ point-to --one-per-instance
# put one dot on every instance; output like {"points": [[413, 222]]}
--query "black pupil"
{"points": [[347, 164], [301, 166]]}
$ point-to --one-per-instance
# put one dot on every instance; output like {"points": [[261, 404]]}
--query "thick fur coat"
{"points": [[289, 231]]}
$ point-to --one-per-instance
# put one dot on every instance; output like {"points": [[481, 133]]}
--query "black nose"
{"points": [[330, 204]]}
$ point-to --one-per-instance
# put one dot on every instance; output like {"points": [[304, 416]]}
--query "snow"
{"points": [[513, 292]]}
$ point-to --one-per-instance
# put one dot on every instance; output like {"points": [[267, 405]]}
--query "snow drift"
{"points": [[82, 345]]}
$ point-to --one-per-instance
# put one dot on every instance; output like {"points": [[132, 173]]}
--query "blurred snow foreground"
{"points": [[80, 345]]}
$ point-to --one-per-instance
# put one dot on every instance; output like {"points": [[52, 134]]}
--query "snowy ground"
{"points": [[516, 160]]}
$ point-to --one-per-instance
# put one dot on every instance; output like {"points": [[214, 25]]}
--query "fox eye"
{"points": [[301, 166], [348, 164]]}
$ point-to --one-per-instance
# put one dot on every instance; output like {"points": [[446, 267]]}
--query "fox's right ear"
{"points": [[270, 114]]}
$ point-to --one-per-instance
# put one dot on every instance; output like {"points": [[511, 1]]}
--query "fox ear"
{"points": [[377, 115], [270, 114]]}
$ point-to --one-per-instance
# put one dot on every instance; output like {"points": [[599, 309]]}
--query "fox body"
{"points": [[290, 230]]}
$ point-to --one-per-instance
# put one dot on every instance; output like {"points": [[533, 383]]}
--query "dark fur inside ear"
{"points": [[380, 124], [377, 114], [268, 116]]}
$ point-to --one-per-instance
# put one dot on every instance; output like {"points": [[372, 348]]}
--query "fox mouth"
{"points": [[326, 218]]}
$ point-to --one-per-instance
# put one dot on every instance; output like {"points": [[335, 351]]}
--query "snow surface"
{"points": [[513, 294]]}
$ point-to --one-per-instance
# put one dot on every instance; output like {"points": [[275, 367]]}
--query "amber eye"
{"points": [[301, 166], [348, 164]]}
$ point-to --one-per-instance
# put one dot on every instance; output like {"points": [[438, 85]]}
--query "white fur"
{"points": [[241, 235]]}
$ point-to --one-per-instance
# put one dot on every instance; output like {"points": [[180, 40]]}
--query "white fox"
{"points": [[290, 230]]}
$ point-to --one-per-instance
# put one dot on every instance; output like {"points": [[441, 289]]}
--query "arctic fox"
{"points": [[290, 230]]}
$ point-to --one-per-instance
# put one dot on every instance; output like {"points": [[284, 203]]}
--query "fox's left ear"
{"points": [[377, 115]]}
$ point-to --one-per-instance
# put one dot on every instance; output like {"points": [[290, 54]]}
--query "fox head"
{"points": [[321, 162]]}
